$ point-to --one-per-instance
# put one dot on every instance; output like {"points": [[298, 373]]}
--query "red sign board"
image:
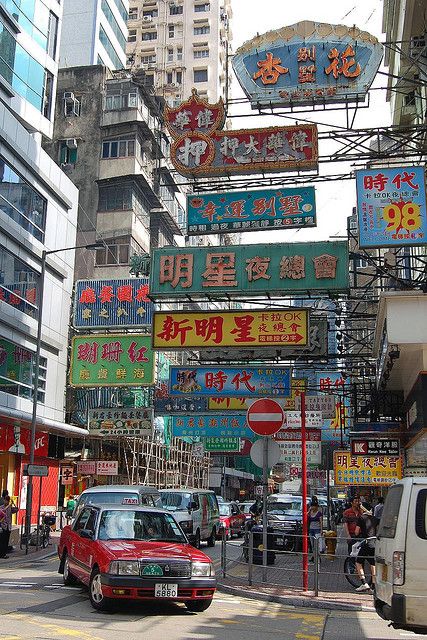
{"points": [[265, 417], [16, 439]]}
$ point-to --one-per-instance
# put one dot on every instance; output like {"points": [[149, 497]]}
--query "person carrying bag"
{"points": [[6, 511]]}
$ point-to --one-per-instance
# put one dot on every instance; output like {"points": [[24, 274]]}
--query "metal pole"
{"points": [[316, 565], [264, 507], [36, 372], [223, 553], [38, 512], [250, 557], [304, 496], [328, 487]]}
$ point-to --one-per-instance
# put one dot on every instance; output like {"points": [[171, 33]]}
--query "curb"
{"points": [[19, 560], [295, 601]]}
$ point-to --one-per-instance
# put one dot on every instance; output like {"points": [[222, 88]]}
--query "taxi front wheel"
{"points": [[96, 596], [198, 605]]}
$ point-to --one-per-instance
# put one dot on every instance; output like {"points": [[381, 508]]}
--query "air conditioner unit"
{"points": [[71, 143], [147, 18], [68, 96]]}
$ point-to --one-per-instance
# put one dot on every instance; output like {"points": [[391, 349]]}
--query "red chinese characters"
{"points": [[269, 69]]}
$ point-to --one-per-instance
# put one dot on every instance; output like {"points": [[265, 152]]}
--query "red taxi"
{"points": [[232, 521], [137, 553]]}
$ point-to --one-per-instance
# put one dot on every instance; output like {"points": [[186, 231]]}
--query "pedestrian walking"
{"points": [[6, 511], [70, 506], [366, 528], [351, 522], [256, 508], [4, 495], [315, 523], [379, 507]]}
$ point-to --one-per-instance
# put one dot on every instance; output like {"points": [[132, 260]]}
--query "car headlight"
{"points": [[186, 525], [202, 569], [124, 568]]}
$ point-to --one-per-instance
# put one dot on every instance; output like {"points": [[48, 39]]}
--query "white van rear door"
{"points": [[416, 550]]}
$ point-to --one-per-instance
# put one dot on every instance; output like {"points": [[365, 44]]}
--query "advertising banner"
{"points": [[179, 406], [107, 467], [312, 419], [243, 404], [307, 63], [231, 329], [391, 207], [222, 445], [113, 360], [229, 381], [325, 403], [112, 303], [249, 269], [374, 447], [16, 439], [86, 468], [120, 422], [204, 426], [366, 470], [289, 441], [232, 211]]}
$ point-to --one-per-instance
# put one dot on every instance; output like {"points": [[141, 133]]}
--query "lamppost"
{"points": [[29, 502]]}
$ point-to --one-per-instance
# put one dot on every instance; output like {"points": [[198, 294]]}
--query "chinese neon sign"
{"points": [[224, 382], [208, 426], [249, 328], [201, 148], [249, 269], [366, 470], [113, 360], [251, 210], [391, 207], [307, 63]]}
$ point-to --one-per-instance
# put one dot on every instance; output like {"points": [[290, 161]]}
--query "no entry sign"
{"points": [[265, 417]]}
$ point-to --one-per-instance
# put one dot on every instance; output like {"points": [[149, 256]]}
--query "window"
{"points": [[202, 7], [179, 77], [83, 519], [200, 75], [201, 53], [52, 36], [67, 152], [176, 10], [35, 18], [179, 54], [170, 55], [122, 9], [169, 78], [17, 371], [115, 252], [198, 31], [114, 24], [171, 29], [21, 202], [132, 35], [153, 13], [111, 52], [149, 59], [149, 35], [133, 13], [19, 284], [390, 515], [118, 148], [47, 94], [420, 514], [149, 80]]}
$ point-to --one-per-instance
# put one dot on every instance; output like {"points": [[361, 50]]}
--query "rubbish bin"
{"points": [[331, 542], [258, 546]]}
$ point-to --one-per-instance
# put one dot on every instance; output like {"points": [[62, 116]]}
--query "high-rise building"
{"points": [[94, 33], [38, 212], [181, 44]]}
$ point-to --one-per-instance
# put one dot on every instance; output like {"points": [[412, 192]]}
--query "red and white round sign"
{"points": [[265, 417]]}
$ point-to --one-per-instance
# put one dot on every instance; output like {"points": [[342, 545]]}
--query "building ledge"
{"points": [[49, 425]]}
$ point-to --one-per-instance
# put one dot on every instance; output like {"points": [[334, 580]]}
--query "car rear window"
{"points": [[421, 514], [388, 523]]}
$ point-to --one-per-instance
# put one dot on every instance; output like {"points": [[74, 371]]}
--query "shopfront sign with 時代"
{"points": [[249, 382], [366, 470], [115, 422], [232, 329], [206, 426], [391, 207], [201, 148], [233, 211], [112, 303], [242, 404], [246, 270], [307, 63], [113, 360]]}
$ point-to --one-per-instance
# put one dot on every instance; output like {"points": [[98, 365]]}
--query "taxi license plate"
{"points": [[165, 590]]}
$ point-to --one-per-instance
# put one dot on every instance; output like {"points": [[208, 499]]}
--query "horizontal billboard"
{"points": [[206, 426], [115, 422], [235, 211], [231, 329], [366, 470]]}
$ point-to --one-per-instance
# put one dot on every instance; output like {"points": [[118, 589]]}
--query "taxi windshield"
{"points": [[139, 525]]}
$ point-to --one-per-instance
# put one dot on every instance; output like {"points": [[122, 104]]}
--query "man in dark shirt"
{"points": [[351, 522]]}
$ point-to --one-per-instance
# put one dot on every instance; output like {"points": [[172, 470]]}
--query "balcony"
{"points": [[121, 167]]}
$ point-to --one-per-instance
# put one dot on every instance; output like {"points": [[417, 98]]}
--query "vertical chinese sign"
{"points": [[391, 207], [113, 360]]}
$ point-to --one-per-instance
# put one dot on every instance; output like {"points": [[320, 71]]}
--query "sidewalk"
{"points": [[18, 557]]}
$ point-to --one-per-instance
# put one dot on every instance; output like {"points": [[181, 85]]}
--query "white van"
{"points": [[196, 510], [401, 556]]}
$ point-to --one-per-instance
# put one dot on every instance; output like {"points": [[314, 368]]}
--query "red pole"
{"points": [[304, 497]]}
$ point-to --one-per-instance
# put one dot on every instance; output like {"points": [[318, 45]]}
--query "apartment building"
{"points": [[94, 33], [38, 212], [181, 44]]}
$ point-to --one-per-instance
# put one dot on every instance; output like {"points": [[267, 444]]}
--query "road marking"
{"points": [[22, 585]]}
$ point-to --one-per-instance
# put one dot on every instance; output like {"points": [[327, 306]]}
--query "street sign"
{"points": [[38, 470], [375, 447], [67, 475], [229, 445], [366, 470], [273, 453], [312, 419], [324, 403], [265, 417]]}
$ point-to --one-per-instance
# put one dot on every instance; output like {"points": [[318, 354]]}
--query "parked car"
{"points": [[134, 553], [245, 509], [401, 556], [132, 494], [232, 520], [197, 512]]}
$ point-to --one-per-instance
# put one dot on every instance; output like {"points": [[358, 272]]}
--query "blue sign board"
{"points": [[226, 382], [210, 425], [391, 207], [170, 406], [307, 63], [236, 211], [122, 303]]}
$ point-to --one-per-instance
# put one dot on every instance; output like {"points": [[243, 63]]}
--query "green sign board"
{"points": [[113, 360], [249, 269], [221, 444]]}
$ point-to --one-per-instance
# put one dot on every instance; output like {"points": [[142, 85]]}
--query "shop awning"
{"points": [[14, 416]]}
